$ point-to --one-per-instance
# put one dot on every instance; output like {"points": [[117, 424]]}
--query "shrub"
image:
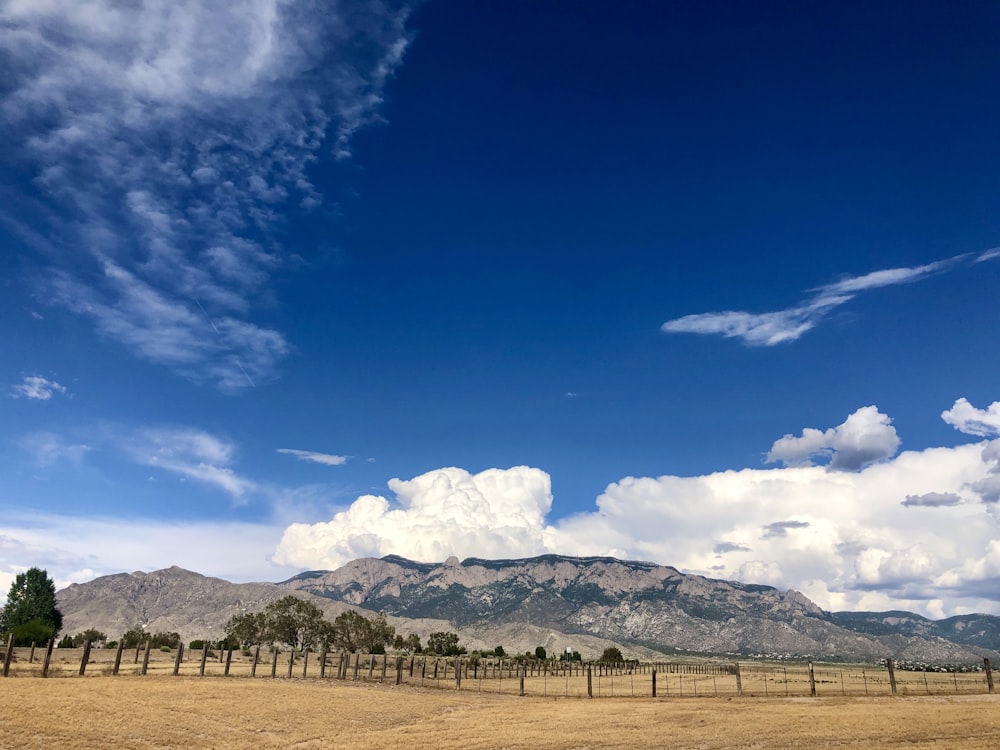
{"points": [[196, 645]]}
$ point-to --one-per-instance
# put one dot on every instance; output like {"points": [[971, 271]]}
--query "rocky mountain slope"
{"points": [[584, 604], [637, 603]]}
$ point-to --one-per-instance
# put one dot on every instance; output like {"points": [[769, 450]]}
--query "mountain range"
{"points": [[577, 603]]}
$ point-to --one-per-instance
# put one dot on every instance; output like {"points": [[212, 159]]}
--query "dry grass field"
{"points": [[166, 712]]}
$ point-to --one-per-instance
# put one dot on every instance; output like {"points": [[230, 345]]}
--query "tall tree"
{"points": [[30, 612], [295, 622]]}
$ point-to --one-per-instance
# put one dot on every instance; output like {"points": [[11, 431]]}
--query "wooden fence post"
{"points": [[31, 656], [399, 670], [989, 674], [458, 673], [291, 661], [892, 674], [739, 680], [229, 661], [522, 670], [654, 683], [812, 681], [256, 657], [86, 657], [48, 657], [118, 657], [137, 648], [8, 655], [177, 660], [322, 663], [357, 664], [204, 658], [385, 659], [305, 662], [274, 662], [590, 683], [145, 657]]}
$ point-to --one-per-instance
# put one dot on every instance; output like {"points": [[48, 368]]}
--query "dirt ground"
{"points": [[168, 712]]}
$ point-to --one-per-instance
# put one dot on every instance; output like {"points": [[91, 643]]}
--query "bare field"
{"points": [[162, 712]]}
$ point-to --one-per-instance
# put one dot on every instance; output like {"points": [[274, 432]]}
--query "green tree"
{"points": [[352, 631], [498, 651], [30, 612], [540, 652], [412, 643], [295, 622], [90, 634], [444, 644], [134, 638], [246, 629], [612, 654]]}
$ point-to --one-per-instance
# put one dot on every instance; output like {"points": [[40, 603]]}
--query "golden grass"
{"points": [[163, 711]]}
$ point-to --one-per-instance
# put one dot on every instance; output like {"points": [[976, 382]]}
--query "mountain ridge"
{"points": [[642, 606]]}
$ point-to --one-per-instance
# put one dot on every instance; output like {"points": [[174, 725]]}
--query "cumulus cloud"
{"points": [[845, 539], [495, 513], [166, 140], [966, 418], [328, 459], [866, 436], [37, 388], [780, 326]]}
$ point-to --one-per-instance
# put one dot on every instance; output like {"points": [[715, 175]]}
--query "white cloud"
{"points": [[36, 387], [989, 255], [849, 540], [172, 136], [74, 549], [780, 326], [327, 459], [966, 418], [190, 454], [495, 513], [866, 436]]}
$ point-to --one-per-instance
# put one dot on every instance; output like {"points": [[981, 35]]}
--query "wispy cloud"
{"points": [[167, 140], [780, 326], [47, 449], [319, 458], [190, 454], [37, 388]]}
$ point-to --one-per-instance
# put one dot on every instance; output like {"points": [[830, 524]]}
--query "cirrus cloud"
{"points": [[167, 140]]}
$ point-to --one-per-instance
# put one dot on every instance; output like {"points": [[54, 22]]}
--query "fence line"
{"points": [[549, 678]]}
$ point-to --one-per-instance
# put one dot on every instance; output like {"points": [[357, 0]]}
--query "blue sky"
{"points": [[708, 284]]}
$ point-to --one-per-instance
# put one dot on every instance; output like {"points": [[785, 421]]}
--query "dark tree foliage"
{"points": [[540, 653], [612, 654], [90, 634], [294, 622], [444, 644], [246, 629], [133, 638], [30, 612], [352, 631]]}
